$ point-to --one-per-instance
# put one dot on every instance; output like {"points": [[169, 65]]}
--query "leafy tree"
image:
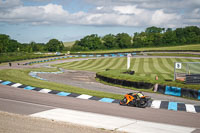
{"points": [[154, 29], [123, 40], [109, 41], [169, 38], [4, 41], [90, 42], [54, 45]]}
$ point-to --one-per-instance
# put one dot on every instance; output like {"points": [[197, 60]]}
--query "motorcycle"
{"points": [[135, 100]]}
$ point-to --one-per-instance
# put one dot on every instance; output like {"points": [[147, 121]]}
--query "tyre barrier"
{"points": [[76, 56], [181, 92], [138, 85], [167, 90]]}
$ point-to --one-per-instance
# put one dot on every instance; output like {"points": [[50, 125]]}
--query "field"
{"points": [[144, 67], [192, 47], [16, 56], [68, 44], [24, 78]]}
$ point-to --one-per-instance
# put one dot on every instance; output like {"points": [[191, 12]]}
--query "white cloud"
{"points": [[118, 14], [159, 18], [9, 4], [128, 9]]}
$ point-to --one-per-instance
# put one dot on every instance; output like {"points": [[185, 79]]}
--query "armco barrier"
{"points": [[138, 85], [176, 91]]}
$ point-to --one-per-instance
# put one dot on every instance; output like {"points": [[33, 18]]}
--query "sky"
{"points": [[70, 20]]}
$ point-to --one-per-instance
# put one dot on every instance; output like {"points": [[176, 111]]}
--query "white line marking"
{"points": [[35, 104], [110, 122], [16, 85], [45, 91], [83, 96], [156, 104], [190, 108]]}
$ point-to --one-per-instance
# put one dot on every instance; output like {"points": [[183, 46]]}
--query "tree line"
{"points": [[151, 37], [9, 45]]}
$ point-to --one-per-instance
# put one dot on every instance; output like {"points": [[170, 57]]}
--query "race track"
{"points": [[28, 102]]}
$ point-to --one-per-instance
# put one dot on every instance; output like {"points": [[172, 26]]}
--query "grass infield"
{"points": [[24, 78], [191, 47], [145, 68]]}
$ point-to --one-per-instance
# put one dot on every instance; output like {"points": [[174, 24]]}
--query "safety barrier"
{"points": [[176, 91], [167, 90], [83, 56], [138, 85]]}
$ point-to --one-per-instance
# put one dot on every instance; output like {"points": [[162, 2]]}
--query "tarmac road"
{"points": [[16, 100], [28, 102], [85, 79]]}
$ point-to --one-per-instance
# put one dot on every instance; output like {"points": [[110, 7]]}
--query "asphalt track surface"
{"points": [[27, 102]]}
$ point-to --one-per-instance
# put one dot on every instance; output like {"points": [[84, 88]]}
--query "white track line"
{"points": [[110, 122]]}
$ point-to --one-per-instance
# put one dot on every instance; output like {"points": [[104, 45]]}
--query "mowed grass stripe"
{"points": [[163, 63], [120, 62], [104, 64], [152, 67], [136, 65], [112, 62], [146, 66], [93, 64], [103, 67], [83, 64], [159, 66], [74, 64], [170, 63], [90, 65], [141, 64], [123, 65], [132, 62], [101, 64]]}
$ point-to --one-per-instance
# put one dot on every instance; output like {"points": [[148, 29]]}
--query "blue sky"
{"points": [[69, 20]]}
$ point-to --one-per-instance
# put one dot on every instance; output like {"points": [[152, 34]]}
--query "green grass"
{"points": [[119, 74], [24, 78], [145, 68], [191, 47], [68, 44], [16, 56], [173, 54], [164, 67]]}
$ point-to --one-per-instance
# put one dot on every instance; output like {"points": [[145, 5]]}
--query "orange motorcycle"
{"points": [[135, 100]]}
